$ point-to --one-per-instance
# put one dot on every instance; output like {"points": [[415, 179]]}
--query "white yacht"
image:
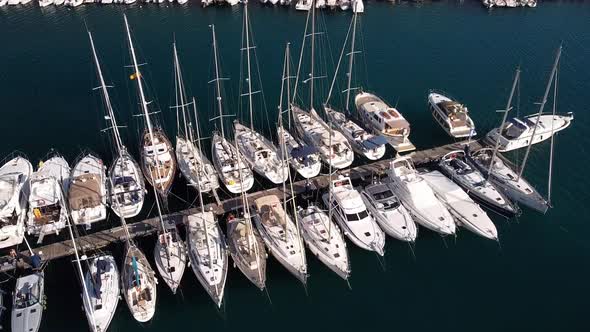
{"points": [[125, 182], [324, 240], [138, 282], [353, 217], [281, 235], [503, 177], [517, 132], [304, 5], [233, 171], [467, 213], [454, 165], [451, 115], [208, 253], [47, 205], [15, 175], [334, 149], [384, 120], [260, 154], [28, 302], [417, 196], [193, 164], [247, 249], [368, 145], [358, 6], [87, 195], [102, 283], [303, 158], [389, 212], [170, 255]]}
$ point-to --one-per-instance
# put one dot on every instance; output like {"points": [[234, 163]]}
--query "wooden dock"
{"points": [[101, 239]]}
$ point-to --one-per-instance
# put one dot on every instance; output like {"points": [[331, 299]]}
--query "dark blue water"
{"points": [[537, 278]]}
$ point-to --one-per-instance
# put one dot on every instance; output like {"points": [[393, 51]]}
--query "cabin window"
{"points": [[363, 214]]}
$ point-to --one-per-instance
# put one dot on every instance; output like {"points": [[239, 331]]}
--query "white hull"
{"points": [[208, 253], [127, 187], [28, 303], [417, 196], [87, 195], [102, 282], [170, 256], [228, 163], [518, 133], [390, 214], [457, 125], [14, 193], [260, 154], [467, 213], [324, 240], [195, 167], [304, 5]]}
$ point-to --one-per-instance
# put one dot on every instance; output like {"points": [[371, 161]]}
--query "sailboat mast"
{"points": [[504, 117], [549, 181], [198, 128], [105, 95], [247, 30], [541, 107], [288, 76], [311, 77], [350, 63], [180, 93], [217, 84]]}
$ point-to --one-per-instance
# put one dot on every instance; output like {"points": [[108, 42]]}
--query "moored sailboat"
{"points": [[15, 177], [87, 195]]}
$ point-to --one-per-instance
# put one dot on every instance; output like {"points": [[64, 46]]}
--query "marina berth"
{"points": [[384, 120], [467, 213], [451, 115], [87, 195], [15, 177]]}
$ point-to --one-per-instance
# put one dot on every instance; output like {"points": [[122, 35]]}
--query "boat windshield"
{"points": [[356, 216], [514, 129], [27, 296], [383, 195]]}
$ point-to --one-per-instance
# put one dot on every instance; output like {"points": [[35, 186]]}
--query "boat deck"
{"points": [[149, 226]]}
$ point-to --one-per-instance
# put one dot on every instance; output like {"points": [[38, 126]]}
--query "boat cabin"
{"points": [[385, 119], [515, 127]]}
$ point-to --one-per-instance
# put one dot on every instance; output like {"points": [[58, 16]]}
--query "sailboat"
{"points": [[102, 282], [126, 185], [333, 147], [193, 164], [368, 145], [157, 157], [47, 205], [28, 301], [87, 195], [169, 252], [226, 159], [15, 175], [301, 157], [524, 132], [258, 151]]}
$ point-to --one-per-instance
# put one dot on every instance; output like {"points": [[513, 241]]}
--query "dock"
{"points": [[101, 239]]}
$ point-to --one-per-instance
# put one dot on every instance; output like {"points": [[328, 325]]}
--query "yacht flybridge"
{"points": [[384, 120], [87, 195], [418, 197], [125, 180], [233, 171], [451, 115], [47, 205], [352, 215], [15, 175], [193, 164], [157, 156]]}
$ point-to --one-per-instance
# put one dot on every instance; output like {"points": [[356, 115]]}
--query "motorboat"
{"points": [[368, 145], [451, 115], [455, 166], [87, 195], [138, 282], [247, 249], [503, 177], [102, 283], [351, 214], [208, 253], [384, 120], [467, 213], [281, 235], [324, 239], [517, 132], [28, 302], [387, 209], [15, 175], [333, 147], [417, 196], [47, 205], [303, 158], [170, 254], [260, 154]]}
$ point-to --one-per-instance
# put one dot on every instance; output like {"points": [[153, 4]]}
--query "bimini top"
{"points": [[303, 151], [374, 142], [84, 192]]}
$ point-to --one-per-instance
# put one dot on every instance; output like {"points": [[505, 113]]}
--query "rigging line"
{"points": [[301, 52], [338, 65], [555, 84]]}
